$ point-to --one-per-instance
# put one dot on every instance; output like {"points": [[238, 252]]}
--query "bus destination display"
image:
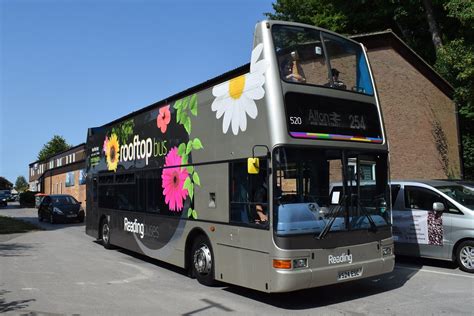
{"points": [[320, 117]]}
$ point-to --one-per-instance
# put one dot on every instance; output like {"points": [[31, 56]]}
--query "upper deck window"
{"points": [[309, 56]]}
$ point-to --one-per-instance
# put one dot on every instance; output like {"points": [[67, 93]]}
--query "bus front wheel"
{"points": [[202, 261], [105, 234]]}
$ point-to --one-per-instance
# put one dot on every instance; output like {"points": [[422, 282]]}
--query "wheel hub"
{"points": [[203, 260], [105, 233], [467, 257]]}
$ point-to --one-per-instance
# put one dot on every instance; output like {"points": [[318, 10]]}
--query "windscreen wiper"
{"points": [[333, 215], [371, 220]]}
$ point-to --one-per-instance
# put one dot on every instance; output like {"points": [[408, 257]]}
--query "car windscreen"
{"points": [[460, 194], [64, 200]]}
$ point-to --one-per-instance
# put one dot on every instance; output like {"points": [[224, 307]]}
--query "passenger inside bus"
{"points": [[336, 83], [261, 200], [291, 68]]}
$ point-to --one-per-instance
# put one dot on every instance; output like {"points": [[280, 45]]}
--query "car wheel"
{"points": [[105, 234], [40, 217], [202, 261], [465, 256], [51, 219]]}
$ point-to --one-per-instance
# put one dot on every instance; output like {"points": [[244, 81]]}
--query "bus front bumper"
{"points": [[297, 279]]}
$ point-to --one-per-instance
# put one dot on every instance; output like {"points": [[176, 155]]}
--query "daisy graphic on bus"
{"points": [[235, 99]]}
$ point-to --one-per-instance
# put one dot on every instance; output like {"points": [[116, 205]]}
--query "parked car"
{"points": [[60, 207], [38, 198], [434, 219], [13, 197], [3, 199]]}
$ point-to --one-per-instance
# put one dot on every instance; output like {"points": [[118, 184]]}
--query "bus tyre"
{"points": [[105, 234], [51, 218], [202, 261], [465, 256]]}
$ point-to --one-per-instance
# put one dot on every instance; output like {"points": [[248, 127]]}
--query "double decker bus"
{"points": [[273, 176]]}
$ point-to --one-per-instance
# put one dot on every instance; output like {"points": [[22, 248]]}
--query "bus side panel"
{"points": [[241, 257]]}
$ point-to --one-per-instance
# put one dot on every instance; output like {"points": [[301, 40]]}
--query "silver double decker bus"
{"points": [[273, 176]]}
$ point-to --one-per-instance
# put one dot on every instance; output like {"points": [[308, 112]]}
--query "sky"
{"points": [[67, 65]]}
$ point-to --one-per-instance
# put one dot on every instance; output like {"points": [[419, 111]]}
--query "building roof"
{"points": [[385, 39], [5, 184], [59, 154]]}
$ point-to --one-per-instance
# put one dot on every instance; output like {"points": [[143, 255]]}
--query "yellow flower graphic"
{"points": [[112, 152]]}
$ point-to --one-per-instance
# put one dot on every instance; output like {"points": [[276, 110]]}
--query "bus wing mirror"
{"points": [[253, 165]]}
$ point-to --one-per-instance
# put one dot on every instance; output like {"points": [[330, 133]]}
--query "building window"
{"points": [[51, 164], [82, 176], [74, 157], [70, 179]]}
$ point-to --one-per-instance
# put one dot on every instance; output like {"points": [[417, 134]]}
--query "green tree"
{"points": [[21, 184], [56, 145], [440, 31]]}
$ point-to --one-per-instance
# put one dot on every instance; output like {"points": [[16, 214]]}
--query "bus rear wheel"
{"points": [[105, 234], [202, 261]]}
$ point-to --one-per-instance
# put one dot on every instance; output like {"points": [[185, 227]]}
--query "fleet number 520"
{"points": [[295, 120]]}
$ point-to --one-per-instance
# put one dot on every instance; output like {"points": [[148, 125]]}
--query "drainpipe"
{"points": [[460, 147]]}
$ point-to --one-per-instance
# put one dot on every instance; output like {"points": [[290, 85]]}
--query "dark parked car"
{"points": [[60, 207], [3, 199]]}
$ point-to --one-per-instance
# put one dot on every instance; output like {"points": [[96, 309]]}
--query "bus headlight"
{"points": [[387, 251], [300, 263]]}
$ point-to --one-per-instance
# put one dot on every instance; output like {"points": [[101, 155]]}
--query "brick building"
{"points": [[63, 173], [419, 114]]}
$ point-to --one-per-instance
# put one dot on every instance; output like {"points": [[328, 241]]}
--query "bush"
{"points": [[27, 199]]}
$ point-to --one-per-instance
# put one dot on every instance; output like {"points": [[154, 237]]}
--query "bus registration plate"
{"points": [[344, 275]]}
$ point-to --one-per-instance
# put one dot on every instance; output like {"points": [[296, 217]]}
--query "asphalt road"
{"points": [[61, 270]]}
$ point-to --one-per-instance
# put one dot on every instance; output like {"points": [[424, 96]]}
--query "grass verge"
{"points": [[10, 225]]}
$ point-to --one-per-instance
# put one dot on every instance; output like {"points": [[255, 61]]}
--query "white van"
{"points": [[434, 219]]}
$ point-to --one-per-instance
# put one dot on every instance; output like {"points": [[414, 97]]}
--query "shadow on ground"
{"points": [[14, 249], [310, 298], [329, 295], [12, 305], [418, 263]]}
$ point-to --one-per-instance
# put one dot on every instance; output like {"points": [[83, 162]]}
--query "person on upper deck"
{"points": [[291, 69]]}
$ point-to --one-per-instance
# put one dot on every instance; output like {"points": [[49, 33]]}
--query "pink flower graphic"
{"points": [[173, 181], [104, 147], [163, 118]]}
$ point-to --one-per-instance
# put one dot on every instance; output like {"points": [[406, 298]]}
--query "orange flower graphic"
{"points": [[163, 118]]}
